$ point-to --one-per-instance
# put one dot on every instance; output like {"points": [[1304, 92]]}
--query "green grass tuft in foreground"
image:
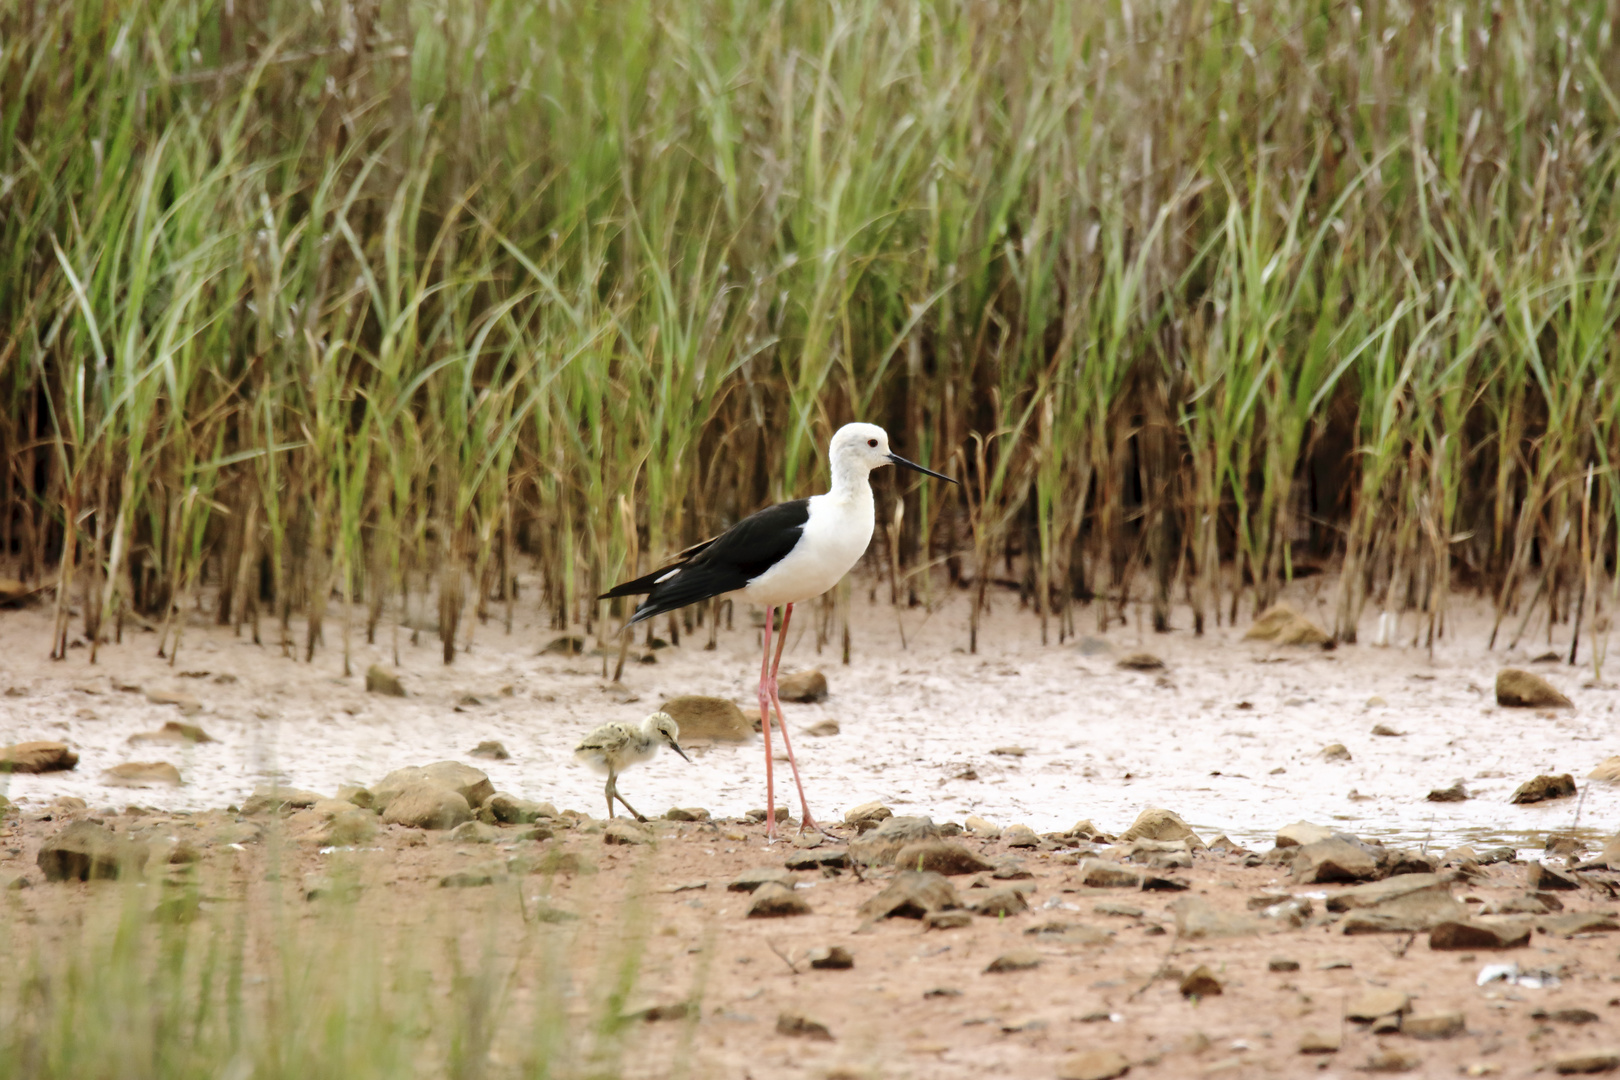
{"points": [[175, 979]]}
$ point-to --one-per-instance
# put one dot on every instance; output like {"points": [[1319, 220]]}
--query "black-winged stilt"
{"points": [[780, 556], [613, 748]]}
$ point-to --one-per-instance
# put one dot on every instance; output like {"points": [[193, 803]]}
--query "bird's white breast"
{"points": [[833, 539]]}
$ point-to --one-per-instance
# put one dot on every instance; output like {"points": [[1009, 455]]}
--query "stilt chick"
{"points": [[613, 748]]}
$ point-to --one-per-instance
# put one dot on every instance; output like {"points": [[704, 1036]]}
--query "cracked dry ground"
{"points": [[1094, 977]]}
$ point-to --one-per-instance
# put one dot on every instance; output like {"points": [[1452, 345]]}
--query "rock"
{"points": [[998, 902], [1578, 922], [1115, 907], [1407, 863], [757, 816], [1567, 1016], [140, 774], [1335, 752], [880, 846], [1017, 960], [511, 810], [1467, 934], [677, 1010], [359, 796], [1528, 904], [806, 687], [912, 894], [1085, 830], [564, 645], [425, 804], [942, 857], [708, 718], [1281, 624], [1282, 963], [472, 785], [1196, 918], [1140, 661], [868, 816], [265, 800], [979, 826], [491, 749], [626, 832], [1539, 877], [1455, 793], [1200, 982], [751, 880], [345, 828], [831, 958], [37, 757], [1094, 1065], [1010, 869], [1587, 1061], [954, 919], [1393, 906], [829, 858], [1608, 770], [1436, 1025], [1334, 859], [181, 700], [1387, 732], [173, 731], [1319, 1042], [822, 729], [802, 1027], [474, 832], [1375, 893], [1523, 690], [379, 680], [1020, 836], [687, 813], [1159, 824], [14, 591], [84, 851], [1391, 1061], [775, 901], [473, 877], [1543, 788], [1102, 874], [1301, 833], [1372, 1004], [468, 782]]}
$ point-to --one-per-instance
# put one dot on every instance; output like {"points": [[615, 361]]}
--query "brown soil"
{"points": [[918, 1003], [1229, 734]]}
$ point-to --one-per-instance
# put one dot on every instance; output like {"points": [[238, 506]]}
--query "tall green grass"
{"points": [[366, 302]]}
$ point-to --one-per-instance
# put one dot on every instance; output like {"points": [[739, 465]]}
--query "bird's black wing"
{"points": [[724, 564]]}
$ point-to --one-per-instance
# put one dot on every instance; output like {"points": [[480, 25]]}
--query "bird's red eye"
{"points": [[871, 442]]}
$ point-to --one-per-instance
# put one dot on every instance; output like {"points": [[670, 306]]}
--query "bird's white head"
{"points": [[861, 446], [857, 449], [661, 725]]}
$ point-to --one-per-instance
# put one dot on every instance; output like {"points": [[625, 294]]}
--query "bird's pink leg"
{"points": [[805, 822], [765, 690]]}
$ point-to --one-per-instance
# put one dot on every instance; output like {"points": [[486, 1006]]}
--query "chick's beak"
{"points": [[675, 746]]}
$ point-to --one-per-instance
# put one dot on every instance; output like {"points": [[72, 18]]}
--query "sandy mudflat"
{"points": [[1205, 737]]}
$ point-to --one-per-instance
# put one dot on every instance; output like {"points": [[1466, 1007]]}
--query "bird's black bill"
{"points": [[675, 746], [898, 460]]}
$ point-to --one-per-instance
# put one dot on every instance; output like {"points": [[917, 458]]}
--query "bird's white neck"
{"points": [[850, 483]]}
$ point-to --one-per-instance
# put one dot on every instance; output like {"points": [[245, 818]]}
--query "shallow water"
{"points": [[1229, 735]]}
